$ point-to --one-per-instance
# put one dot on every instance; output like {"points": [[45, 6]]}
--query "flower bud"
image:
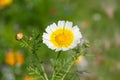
{"points": [[19, 36]]}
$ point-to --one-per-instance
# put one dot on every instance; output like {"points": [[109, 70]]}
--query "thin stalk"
{"points": [[70, 66], [58, 55], [26, 44], [45, 75], [53, 75], [43, 70]]}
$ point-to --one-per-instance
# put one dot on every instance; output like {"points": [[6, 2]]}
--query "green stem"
{"points": [[58, 55], [53, 75], [43, 70], [45, 75], [70, 66], [26, 44], [54, 72]]}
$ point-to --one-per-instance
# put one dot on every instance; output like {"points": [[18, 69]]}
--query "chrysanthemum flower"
{"points": [[62, 36]]}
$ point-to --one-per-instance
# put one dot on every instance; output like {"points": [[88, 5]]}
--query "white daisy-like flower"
{"points": [[62, 36]]}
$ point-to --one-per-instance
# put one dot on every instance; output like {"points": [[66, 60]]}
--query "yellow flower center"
{"points": [[62, 38]]}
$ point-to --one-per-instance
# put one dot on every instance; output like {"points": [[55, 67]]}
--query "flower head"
{"points": [[62, 36]]}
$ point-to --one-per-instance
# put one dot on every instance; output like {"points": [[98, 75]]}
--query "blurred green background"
{"points": [[99, 22]]}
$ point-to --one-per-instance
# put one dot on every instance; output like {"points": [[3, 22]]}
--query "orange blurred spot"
{"points": [[19, 58], [4, 3], [13, 58], [10, 58], [28, 78]]}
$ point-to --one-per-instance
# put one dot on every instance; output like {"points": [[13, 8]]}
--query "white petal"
{"points": [[53, 27], [77, 32], [68, 25], [73, 45], [48, 43], [48, 30], [58, 49], [65, 49], [46, 36], [75, 28], [61, 24]]}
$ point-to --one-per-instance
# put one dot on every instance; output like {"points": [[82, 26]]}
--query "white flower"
{"points": [[62, 36]]}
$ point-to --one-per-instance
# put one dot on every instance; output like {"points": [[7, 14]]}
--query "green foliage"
{"points": [[32, 14], [33, 71], [60, 67]]}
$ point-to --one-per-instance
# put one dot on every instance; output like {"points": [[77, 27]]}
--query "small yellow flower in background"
{"points": [[19, 36], [81, 63], [28, 77], [13, 58], [4, 3], [19, 58], [62, 36], [10, 58]]}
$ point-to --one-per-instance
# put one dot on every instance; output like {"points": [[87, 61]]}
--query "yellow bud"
{"points": [[19, 36]]}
